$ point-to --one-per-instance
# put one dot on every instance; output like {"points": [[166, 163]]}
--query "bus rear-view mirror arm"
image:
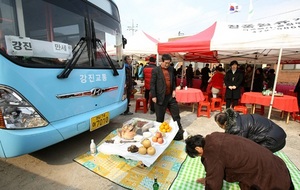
{"points": [[124, 41]]}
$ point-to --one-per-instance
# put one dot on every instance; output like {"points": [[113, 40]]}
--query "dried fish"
{"points": [[121, 141]]}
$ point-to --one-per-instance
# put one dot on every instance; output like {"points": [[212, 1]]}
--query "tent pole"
{"points": [[275, 82], [253, 74]]}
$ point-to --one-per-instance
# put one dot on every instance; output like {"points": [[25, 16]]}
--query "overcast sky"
{"points": [[163, 19]]}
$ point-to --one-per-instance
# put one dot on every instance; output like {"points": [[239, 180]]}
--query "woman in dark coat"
{"points": [[233, 81], [258, 80], [255, 127]]}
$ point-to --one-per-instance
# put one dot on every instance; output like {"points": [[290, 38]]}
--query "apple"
{"points": [[158, 134], [154, 139], [160, 140]]}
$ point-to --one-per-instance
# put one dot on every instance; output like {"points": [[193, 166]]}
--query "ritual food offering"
{"points": [[147, 148], [142, 150], [117, 141], [146, 143], [153, 130], [127, 132], [147, 134], [165, 127], [151, 150], [132, 149], [158, 138], [140, 125], [138, 137]]}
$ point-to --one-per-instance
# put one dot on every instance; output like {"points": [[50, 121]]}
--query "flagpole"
{"points": [[250, 12]]}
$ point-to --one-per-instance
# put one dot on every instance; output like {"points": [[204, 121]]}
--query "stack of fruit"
{"points": [[147, 148], [158, 137], [165, 127]]}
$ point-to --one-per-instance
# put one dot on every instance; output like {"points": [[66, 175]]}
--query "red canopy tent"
{"points": [[196, 47]]}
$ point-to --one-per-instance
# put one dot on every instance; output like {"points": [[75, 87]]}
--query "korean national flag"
{"points": [[233, 8]]}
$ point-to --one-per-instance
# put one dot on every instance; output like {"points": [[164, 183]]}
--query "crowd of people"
{"points": [[215, 81], [249, 140]]}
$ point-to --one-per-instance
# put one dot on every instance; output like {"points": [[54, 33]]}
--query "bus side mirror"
{"points": [[124, 41]]}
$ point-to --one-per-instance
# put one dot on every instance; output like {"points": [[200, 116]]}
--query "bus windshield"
{"points": [[61, 71], [50, 40]]}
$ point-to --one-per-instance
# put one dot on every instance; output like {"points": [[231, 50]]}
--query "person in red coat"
{"points": [[217, 82], [147, 77], [237, 159]]}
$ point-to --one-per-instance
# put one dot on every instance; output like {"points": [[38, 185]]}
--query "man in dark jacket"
{"points": [[205, 71], [162, 89], [233, 81], [129, 86], [189, 76], [255, 127], [237, 159]]}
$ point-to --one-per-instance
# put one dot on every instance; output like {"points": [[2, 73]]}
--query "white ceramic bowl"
{"points": [[153, 130], [138, 138], [147, 134]]}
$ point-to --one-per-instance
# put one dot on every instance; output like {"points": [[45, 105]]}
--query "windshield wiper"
{"points": [[77, 51], [97, 42]]}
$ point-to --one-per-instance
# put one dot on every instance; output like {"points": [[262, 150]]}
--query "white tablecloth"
{"points": [[121, 148]]}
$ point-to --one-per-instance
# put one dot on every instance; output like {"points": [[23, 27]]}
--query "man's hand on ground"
{"points": [[201, 180]]}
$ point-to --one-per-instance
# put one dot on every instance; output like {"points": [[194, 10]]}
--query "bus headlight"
{"points": [[17, 113]]}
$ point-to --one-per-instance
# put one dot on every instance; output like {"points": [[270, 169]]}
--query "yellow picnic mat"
{"points": [[193, 169], [130, 174]]}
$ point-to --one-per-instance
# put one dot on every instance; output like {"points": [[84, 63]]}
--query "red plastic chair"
{"points": [[141, 104]]}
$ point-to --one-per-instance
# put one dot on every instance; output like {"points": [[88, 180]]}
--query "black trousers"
{"points": [[229, 101], [189, 82], [147, 96], [204, 84], [129, 92], [171, 104]]}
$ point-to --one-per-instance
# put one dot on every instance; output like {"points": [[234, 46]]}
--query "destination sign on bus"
{"points": [[24, 46]]}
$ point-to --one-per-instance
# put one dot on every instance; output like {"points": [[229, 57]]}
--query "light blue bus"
{"points": [[61, 71]]}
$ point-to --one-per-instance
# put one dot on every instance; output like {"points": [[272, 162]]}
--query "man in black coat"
{"points": [[189, 76], [129, 82], [205, 71], [162, 89], [233, 81]]}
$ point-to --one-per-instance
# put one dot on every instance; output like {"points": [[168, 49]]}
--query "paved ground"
{"points": [[54, 168]]}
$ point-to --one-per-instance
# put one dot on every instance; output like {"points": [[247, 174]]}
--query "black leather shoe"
{"points": [[179, 135], [127, 113]]}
